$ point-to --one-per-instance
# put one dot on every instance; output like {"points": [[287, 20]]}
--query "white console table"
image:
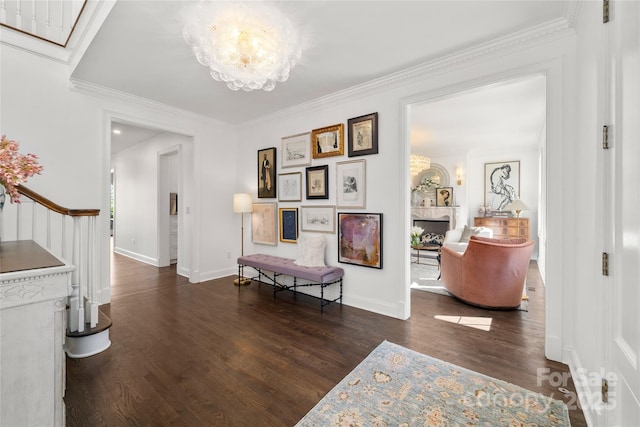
{"points": [[434, 213], [32, 327]]}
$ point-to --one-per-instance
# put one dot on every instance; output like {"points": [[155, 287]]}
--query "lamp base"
{"points": [[242, 281]]}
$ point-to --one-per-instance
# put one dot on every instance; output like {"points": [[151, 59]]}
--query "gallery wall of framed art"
{"points": [[309, 161]]}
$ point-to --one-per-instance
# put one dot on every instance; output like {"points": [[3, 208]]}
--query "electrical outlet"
{"points": [[228, 254], [133, 241]]}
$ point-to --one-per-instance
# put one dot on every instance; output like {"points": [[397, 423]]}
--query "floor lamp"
{"points": [[242, 203]]}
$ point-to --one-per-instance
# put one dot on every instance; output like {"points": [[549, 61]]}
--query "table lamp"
{"points": [[518, 206]]}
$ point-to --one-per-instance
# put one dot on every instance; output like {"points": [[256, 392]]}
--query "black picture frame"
{"points": [[363, 135], [317, 182], [360, 239], [288, 224], [444, 197], [267, 182], [501, 184]]}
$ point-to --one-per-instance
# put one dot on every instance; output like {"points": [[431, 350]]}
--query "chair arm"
{"points": [[450, 265]]}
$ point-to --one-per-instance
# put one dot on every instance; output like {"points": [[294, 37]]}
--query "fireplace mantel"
{"points": [[433, 212]]}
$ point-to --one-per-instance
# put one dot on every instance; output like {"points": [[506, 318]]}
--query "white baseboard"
{"points": [[137, 256], [588, 395], [214, 274]]}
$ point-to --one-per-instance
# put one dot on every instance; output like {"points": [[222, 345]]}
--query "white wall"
{"points": [[70, 131], [386, 291]]}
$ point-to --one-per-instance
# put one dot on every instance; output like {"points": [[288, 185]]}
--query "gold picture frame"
{"points": [[328, 141], [288, 224]]}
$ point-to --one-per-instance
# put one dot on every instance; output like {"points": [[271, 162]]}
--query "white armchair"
{"points": [[452, 237]]}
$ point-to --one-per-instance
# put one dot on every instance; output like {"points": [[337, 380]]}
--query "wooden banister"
{"points": [[54, 206], [84, 293]]}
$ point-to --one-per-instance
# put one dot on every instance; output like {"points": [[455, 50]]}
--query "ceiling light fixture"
{"points": [[248, 46], [419, 163], [116, 132]]}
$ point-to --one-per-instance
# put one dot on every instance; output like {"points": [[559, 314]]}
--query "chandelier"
{"points": [[247, 46], [419, 163]]}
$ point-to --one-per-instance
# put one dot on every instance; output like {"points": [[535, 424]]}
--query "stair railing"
{"points": [[48, 228]]}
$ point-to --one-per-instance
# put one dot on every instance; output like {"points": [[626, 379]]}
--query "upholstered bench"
{"points": [[314, 276]]}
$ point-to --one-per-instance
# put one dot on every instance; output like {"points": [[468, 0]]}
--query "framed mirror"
{"points": [[436, 172]]}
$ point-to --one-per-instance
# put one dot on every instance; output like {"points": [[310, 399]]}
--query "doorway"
{"points": [[168, 205], [148, 175], [461, 131]]}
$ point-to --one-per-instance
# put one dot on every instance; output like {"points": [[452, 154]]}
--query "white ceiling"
{"points": [[125, 135], [139, 49], [508, 114]]}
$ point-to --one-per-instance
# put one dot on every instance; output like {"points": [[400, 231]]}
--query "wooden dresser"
{"points": [[504, 227]]}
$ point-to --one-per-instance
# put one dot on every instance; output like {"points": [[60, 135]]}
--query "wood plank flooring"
{"points": [[211, 354]]}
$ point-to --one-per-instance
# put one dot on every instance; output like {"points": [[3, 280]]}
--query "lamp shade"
{"points": [[242, 203], [517, 205]]}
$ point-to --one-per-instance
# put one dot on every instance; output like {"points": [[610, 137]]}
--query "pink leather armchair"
{"points": [[491, 273]]}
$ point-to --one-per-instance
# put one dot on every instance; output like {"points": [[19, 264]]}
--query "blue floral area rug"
{"points": [[395, 386]]}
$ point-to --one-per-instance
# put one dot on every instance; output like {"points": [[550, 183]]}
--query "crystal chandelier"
{"points": [[419, 163], [248, 46]]}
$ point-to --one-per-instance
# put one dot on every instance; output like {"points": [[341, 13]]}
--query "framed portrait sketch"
{"points": [[267, 173], [360, 239], [501, 184], [263, 224], [290, 185], [317, 182], [328, 141], [363, 135], [296, 150], [288, 224], [351, 184], [444, 196], [318, 218]]}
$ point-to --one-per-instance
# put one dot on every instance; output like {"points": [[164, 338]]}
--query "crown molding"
{"points": [[574, 7], [552, 30], [91, 89]]}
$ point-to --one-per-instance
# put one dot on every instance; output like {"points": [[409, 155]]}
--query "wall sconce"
{"points": [[459, 176]]}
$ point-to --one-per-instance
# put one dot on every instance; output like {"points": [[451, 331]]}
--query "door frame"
{"points": [[552, 234], [164, 256]]}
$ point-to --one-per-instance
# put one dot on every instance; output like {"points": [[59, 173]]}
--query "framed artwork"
{"points": [[351, 184], [328, 141], [267, 173], [363, 135], [360, 239], [290, 185], [317, 182], [444, 196], [501, 184], [288, 224], [296, 150], [318, 218], [263, 224]]}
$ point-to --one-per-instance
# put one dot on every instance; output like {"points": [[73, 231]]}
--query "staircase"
{"points": [[69, 235]]}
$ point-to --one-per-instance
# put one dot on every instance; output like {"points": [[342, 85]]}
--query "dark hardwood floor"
{"points": [[210, 354]]}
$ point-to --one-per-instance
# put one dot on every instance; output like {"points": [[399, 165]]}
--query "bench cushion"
{"points": [[286, 266]]}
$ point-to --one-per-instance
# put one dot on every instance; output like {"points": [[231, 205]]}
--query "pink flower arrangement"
{"points": [[15, 168]]}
